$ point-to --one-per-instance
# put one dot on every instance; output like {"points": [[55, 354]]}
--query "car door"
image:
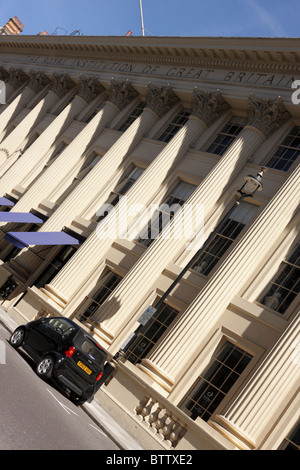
{"points": [[42, 337]]}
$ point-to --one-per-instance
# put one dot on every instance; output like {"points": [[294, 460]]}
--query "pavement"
{"points": [[121, 437]]}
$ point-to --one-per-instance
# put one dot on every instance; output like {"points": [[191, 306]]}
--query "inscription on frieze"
{"points": [[178, 72]]}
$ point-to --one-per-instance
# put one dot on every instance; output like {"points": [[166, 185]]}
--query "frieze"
{"points": [[264, 79]]}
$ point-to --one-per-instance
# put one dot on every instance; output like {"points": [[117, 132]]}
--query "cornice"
{"points": [[253, 54]]}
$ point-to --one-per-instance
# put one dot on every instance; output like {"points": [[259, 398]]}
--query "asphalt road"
{"points": [[36, 416]]}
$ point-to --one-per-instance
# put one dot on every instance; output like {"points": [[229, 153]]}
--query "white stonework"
{"points": [[91, 119]]}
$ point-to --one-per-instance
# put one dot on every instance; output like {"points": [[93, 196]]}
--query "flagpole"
{"points": [[142, 21]]}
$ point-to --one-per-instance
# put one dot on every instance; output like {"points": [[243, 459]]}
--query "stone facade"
{"points": [[98, 132]]}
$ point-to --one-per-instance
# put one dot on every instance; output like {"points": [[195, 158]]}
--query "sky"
{"points": [[221, 18]]}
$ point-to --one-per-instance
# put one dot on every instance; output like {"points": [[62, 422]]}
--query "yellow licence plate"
{"points": [[84, 367]]}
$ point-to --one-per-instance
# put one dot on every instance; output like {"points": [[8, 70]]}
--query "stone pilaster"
{"points": [[256, 408], [94, 249], [127, 294]]}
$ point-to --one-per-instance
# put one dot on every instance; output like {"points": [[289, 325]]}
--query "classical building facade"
{"points": [[122, 164]]}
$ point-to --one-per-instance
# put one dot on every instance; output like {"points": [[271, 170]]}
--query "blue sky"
{"points": [[251, 18]]}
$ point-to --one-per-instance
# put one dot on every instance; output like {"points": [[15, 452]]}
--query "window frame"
{"points": [[156, 215], [288, 439], [51, 264], [217, 340], [144, 330], [285, 148], [173, 126], [115, 194], [132, 116], [221, 238], [90, 300], [273, 281], [223, 133]]}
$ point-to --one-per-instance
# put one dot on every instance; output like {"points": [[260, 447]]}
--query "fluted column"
{"points": [[172, 357], [257, 407], [21, 171], [37, 81], [125, 300], [159, 101], [15, 139], [121, 94], [208, 106]]}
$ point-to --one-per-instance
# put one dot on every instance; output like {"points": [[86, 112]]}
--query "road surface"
{"points": [[36, 416]]}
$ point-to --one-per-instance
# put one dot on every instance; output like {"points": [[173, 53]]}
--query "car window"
{"points": [[89, 348], [61, 326]]}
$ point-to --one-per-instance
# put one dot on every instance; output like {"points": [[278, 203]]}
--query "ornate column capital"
{"points": [[37, 81], [208, 106], [266, 115], [121, 93], [61, 84], [160, 99], [89, 88], [16, 78], [4, 74]]}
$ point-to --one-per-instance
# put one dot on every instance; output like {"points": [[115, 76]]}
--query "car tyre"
{"points": [[17, 338], [45, 367], [78, 401]]}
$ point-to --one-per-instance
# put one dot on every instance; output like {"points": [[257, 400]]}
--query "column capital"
{"points": [[265, 114], [16, 78], [208, 106], [61, 84], [121, 93], [4, 74], [37, 81], [89, 88], [160, 99]]}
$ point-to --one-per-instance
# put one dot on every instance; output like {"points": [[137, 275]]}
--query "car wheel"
{"points": [[17, 338], [45, 367], [77, 400]]}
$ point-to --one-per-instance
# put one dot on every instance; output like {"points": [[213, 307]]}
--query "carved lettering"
{"points": [[192, 73]]}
